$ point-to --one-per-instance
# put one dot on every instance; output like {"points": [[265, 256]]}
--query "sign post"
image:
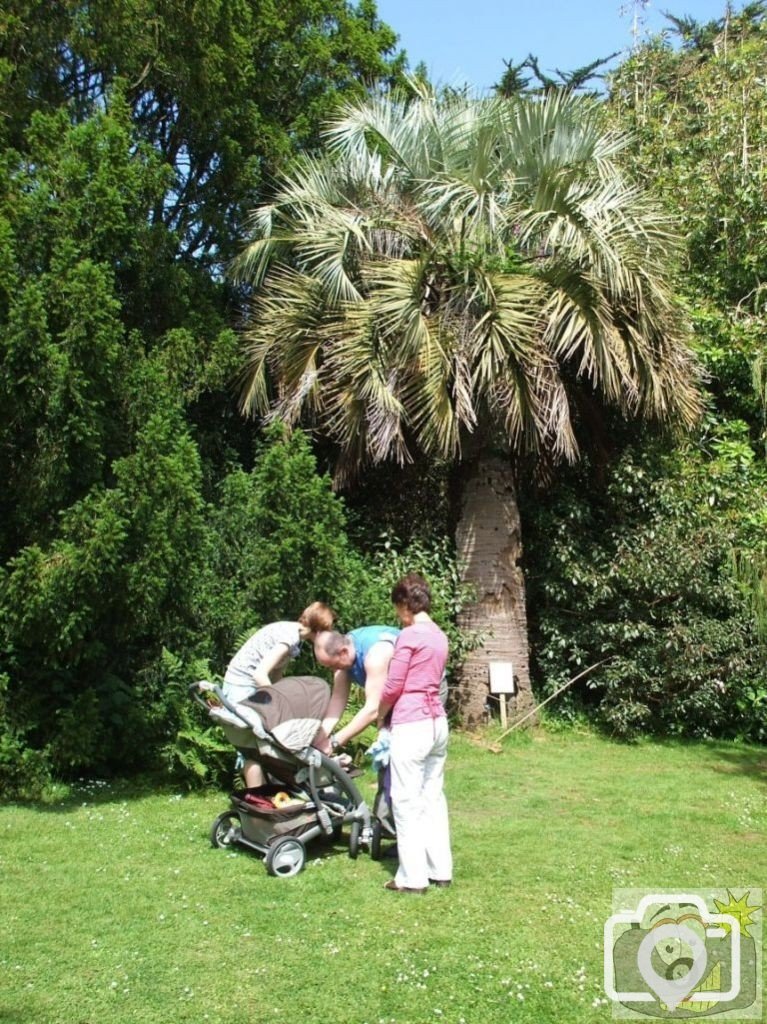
{"points": [[502, 683]]}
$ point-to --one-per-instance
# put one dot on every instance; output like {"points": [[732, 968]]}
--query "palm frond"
{"points": [[398, 291], [354, 372], [449, 259], [284, 336]]}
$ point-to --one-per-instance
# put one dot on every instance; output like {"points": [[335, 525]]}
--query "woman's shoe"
{"points": [[441, 883], [392, 886]]}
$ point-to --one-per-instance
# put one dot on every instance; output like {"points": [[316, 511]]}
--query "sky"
{"points": [[464, 41]]}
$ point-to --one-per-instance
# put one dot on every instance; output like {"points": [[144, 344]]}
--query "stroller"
{"points": [[308, 795], [382, 825]]}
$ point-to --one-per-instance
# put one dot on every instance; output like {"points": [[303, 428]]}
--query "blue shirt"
{"points": [[364, 638]]}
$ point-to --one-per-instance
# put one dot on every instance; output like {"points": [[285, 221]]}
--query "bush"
{"points": [[641, 574], [147, 589], [25, 773]]}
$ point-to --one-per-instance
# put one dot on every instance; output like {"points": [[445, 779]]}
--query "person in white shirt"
{"points": [[261, 661]]}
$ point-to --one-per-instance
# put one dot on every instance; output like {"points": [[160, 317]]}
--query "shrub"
{"points": [[641, 573]]}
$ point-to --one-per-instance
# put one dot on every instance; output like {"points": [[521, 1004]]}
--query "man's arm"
{"points": [[376, 669], [338, 701]]}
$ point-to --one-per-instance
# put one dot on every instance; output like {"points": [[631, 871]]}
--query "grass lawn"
{"points": [[116, 910]]}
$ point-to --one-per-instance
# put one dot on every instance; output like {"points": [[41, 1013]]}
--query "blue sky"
{"points": [[467, 40]]}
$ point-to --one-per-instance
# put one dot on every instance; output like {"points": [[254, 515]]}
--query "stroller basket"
{"points": [[261, 821]]}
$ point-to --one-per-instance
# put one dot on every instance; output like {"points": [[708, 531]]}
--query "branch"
{"points": [[553, 695]]}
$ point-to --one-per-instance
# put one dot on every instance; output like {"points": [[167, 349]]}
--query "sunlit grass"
{"points": [[115, 908]]}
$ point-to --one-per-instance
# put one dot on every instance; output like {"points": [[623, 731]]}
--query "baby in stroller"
{"points": [[306, 795]]}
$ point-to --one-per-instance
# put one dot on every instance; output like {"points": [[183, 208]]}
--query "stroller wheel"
{"points": [[354, 839], [225, 830], [285, 857], [375, 841]]}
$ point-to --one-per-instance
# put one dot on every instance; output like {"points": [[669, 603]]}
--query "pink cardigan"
{"points": [[415, 671]]}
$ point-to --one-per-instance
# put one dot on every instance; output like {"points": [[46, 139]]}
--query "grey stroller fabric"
{"points": [[290, 710]]}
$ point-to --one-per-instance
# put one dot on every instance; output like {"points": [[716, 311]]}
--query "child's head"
{"points": [[315, 619]]}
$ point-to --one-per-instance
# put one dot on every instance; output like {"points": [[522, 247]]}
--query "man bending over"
{"points": [[361, 657]]}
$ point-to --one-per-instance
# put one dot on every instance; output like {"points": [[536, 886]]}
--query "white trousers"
{"points": [[417, 758]]}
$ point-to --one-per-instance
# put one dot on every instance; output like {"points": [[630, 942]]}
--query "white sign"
{"points": [[502, 677]]}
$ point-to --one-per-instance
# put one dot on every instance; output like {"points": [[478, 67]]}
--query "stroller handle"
{"points": [[204, 686], [197, 689]]}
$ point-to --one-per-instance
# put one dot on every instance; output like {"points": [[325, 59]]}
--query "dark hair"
{"points": [[413, 592]]}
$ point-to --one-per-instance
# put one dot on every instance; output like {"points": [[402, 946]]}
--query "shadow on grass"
{"points": [[18, 1016], [97, 792], [724, 757], [748, 761]]}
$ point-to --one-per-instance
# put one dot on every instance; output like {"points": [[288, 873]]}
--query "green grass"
{"points": [[116, 909]]}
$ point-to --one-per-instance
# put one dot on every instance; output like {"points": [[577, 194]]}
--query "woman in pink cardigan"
{"points": [[418, 742]]}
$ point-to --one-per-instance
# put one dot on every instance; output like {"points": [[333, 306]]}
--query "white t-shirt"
{"points": [[238, 681]]}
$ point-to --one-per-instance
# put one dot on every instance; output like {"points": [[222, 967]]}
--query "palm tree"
{"points": [[463, 276]]}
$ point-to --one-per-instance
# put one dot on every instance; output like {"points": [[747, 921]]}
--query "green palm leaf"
{"points": [[453, 266]]}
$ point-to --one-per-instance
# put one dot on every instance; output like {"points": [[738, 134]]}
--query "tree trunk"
{"points": [[489, 544]]}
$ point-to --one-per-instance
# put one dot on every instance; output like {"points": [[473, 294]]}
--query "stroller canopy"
{"points": [[291, 710]]}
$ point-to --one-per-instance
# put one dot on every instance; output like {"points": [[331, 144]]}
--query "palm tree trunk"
{"points": [[489, 543]]}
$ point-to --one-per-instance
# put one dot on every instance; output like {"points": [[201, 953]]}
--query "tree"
{"points": [[639, 574], [697, 115], [514, 82], [222, 91], [697, 118], [135, 134], [475, 279]]}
